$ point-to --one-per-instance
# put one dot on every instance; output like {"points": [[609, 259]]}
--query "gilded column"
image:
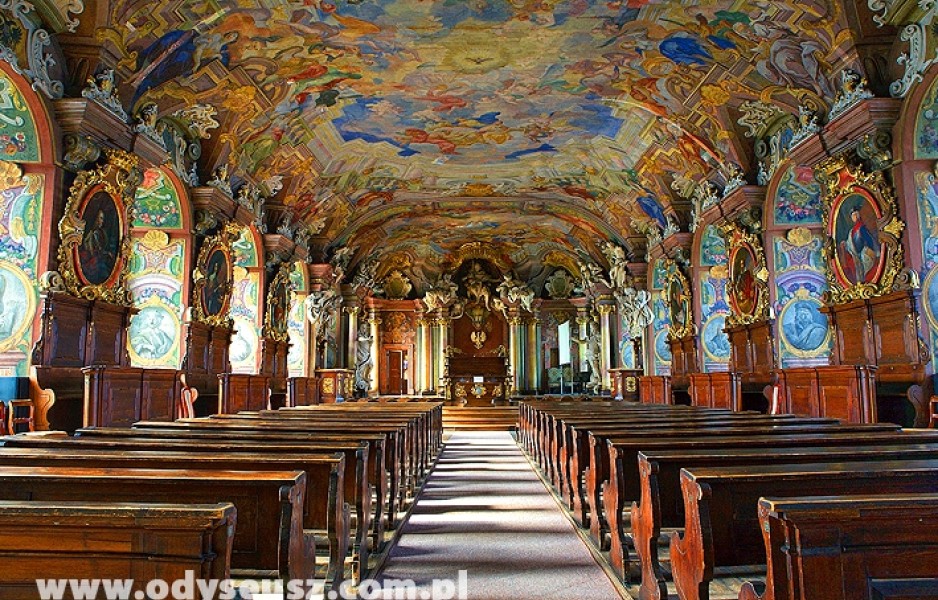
{"points": [[374, 321]]}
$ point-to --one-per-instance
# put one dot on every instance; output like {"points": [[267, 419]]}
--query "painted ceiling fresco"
{"points": [[596, 102]]}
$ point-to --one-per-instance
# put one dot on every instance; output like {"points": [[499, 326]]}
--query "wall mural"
{"points": [[660, 327], [800, 282], [19, 140], [798, 198], [926, 126], [156, 285], [661, 351], [20, 215], [927, 192], [713, 303], [245, 305], [297, 324], [157, 202]]}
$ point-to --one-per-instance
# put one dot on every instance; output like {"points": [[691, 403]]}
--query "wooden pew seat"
{"points": [[721, 525], [58, 540], [325, 510], [878, 547], [269, 541]]}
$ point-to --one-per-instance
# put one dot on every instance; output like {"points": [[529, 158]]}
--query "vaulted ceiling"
{"points": [[537, 126]]}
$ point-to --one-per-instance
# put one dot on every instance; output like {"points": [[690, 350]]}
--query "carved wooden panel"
{"points": [[683, 359], [840, 392], [107, 337], [160, 389], [655, 389], [113, 396], [716, 390], [335, 385], [240, 392], [64, 331], [303, 391]]}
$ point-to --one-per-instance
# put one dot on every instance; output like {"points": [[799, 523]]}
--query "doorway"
{"points": [[396, 372]]}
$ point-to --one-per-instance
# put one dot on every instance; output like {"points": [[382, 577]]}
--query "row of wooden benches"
{"points": [[683, 496], [248, 495]]}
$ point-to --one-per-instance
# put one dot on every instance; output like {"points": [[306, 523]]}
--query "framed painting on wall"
{"points": [[863, 231]]}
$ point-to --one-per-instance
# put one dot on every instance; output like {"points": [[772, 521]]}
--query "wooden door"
{"points": [[395, 361]]}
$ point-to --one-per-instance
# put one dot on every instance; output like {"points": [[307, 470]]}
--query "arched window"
{"points": [[245, 303], [158, 268]]}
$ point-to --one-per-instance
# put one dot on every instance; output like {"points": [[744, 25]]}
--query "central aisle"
{"points": [[484, 509]]}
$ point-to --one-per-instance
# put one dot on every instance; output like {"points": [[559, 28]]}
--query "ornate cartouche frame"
{"points": [[840, 180], [278, 294], [676, 276], [738, 240], [118, 178], [220, 241]]}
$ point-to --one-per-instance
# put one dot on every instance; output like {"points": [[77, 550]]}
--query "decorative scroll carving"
{"points": [[212, 277], [102, 89], [95, 249], [861, 218], [397, 285], [747, 286], [853, 89], [39, 61]]}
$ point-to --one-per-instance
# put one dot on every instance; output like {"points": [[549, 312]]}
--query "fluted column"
{"points": [[605, 329], [374, 321]]}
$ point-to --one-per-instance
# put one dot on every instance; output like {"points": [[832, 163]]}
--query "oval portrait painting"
{"points": [[860, 255], [99, 250], [215, 290]]}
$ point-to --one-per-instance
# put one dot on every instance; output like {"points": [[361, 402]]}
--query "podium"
{"points": [[477, 380]]}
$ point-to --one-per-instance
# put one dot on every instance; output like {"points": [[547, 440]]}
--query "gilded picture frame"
{"points": [[278, 306], [94, 253], [212, 279], [864, 250], [747, 277], [677, 297]]}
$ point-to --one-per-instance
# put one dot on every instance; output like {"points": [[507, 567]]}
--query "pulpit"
{"points": [[477, 380]]}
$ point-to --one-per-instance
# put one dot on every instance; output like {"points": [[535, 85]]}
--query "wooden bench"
{"points": [[269, 540], [69, 540], [325, 512], [721, 526], [660, 497], [397, 452], [877, 547], [359, 483], [597, 473], [624, 485]]}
